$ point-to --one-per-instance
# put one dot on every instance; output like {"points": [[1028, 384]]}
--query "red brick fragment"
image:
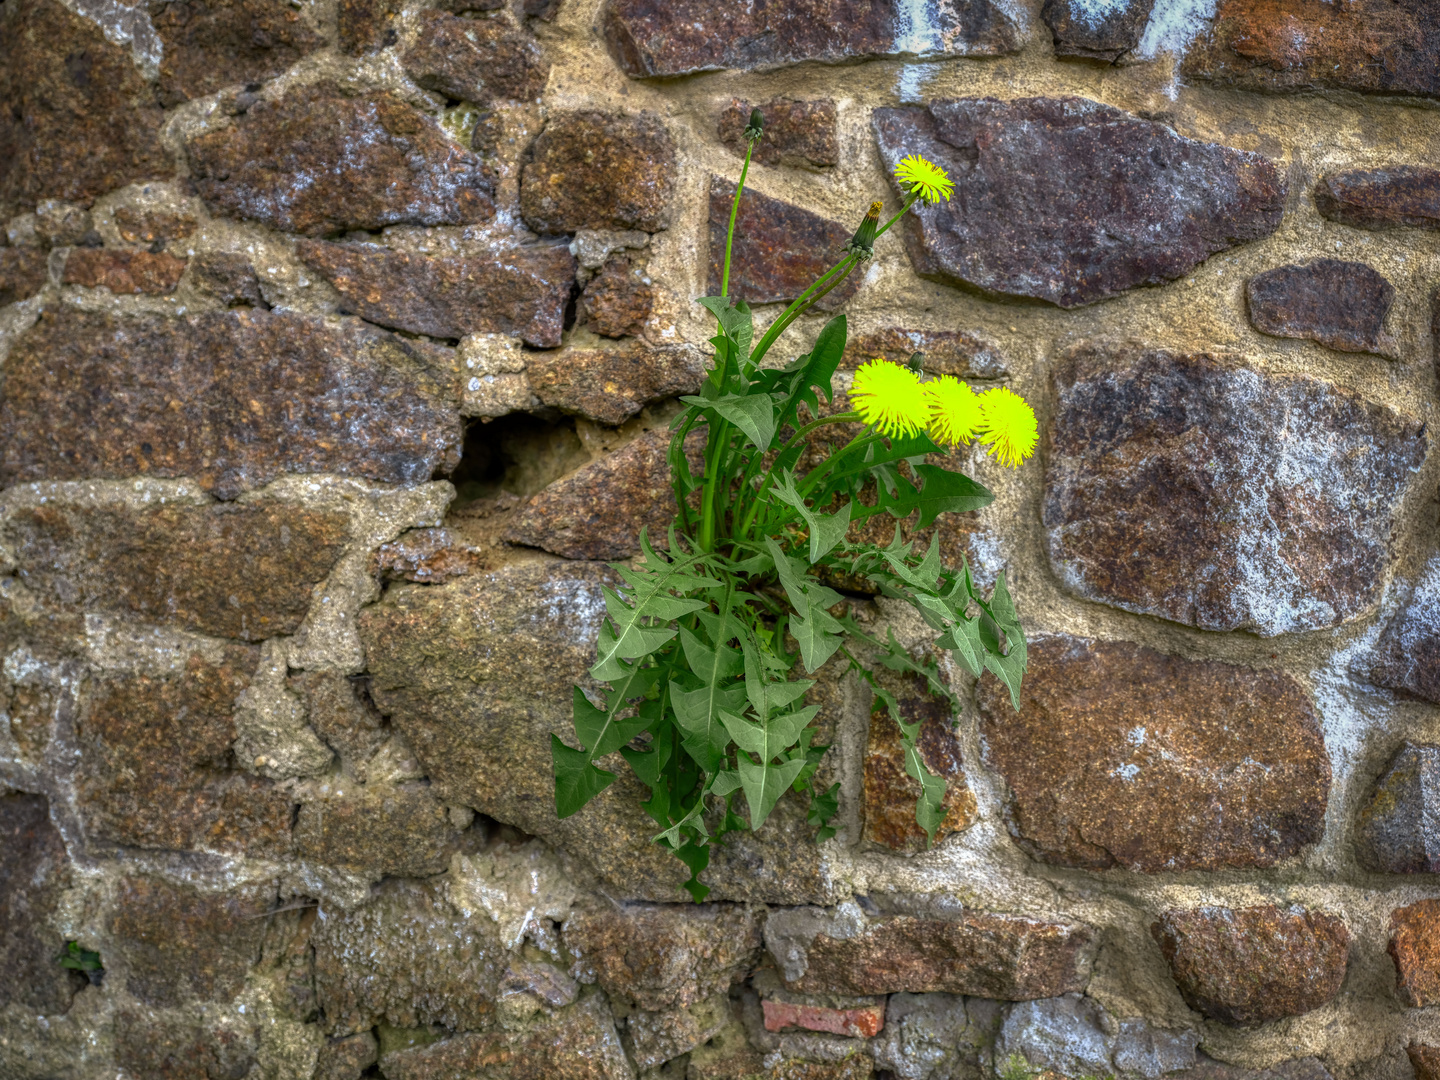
{"points": [[864, 1023]]}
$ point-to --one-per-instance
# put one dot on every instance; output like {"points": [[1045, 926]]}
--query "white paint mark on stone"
{"points": [[124, 25], [1093, 13], [910, 86], [916, 28], [1174, 24]]}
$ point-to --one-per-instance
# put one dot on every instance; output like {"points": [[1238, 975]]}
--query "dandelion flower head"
{"points": [[954, 410], [1008, 426], [889, 397], [928, 181]]}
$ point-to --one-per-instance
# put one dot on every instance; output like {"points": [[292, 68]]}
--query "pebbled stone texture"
{"points": [[1339, 304], [346, 1058], [653, 1038], [151, 226], [234, 399], [366, 25], [34, 874], [947, 352], [23, 273], [612, 385], [800, 134], [1248, 966], [678, 37], [211, 44], [317, 162], [779, 249], [1400, 195], [397, 832], [1193, 488], [228, 278], [1425, 1060], [522, 292], [1111, 737], [940, 1033], [1399, 827], [1407, 656], [618, 300], [1307, 1068], [177, 1046], [123, 271], [429, 556], [1369, 46], [1070, 201], [477, 60], [1110, 33], [1415, 948], [593, 170], [348, 722]]}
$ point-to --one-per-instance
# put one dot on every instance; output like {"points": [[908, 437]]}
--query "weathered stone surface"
{"points": [[1192, 488], [653, 1038], [346, 1058], [407, 958], [175, 939], [79, 119], [678, 37], [1071, 201], [334, 707], [1096, 32], [209, 45], [1371, 46], [153, 764], [1400, 195], [862, 1023], [236, 571], [779, 249], [940, 1034], [317, 162], [801, 134], [366, 25], [1407, 656], [592, 170], [618, 300], [1425, 1060], [947, 352], [1111, 737], [123, 271], [1073, 1035], [1248, 966], [1415, 948], [400, 832], [228, 277], [521, 292], [63, 224], [171, 1046], [663, 956], [477, 60], [23, 273], [1339, 304], [34, 872], [232, 398], [429, 556], [477, 674], [1308, 1068], [612, 385], [1399, 826], [147, 227]]}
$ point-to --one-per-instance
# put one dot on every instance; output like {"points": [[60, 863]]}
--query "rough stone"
{"points": [[122, 272], [592, 170], [1073, 1035], [429, 556], [1196, 489], [1248, 966], [80, 119], [521, 292], [23, 273], [208, 45], [477, 674], [618, 300], [1369, 46], [334, 707], [653, 1038], [346, 1058], [147, 227], [1415, 948], [1407, 656], [317, 162], [63, 224], [801, 134], [1399, 827], [398, 832], [478, 60], [936, 1036], [179, 1047], [779, 249], [1339, 304], [1109, 33], [1111, 737], [234, 399], [1425, 1060], [366, 25], [612, 385], [947, 352], [861, 1023], [1400, 195], [1067, 200], [228, 277], [34, 872], [678, 37]]}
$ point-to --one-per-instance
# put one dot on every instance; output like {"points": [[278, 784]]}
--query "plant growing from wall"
{"points": [[696, 655]]}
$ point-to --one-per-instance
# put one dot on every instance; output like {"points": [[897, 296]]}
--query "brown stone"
{"points": [[211, 44], [34, 873], [339, 713], [366, 25], [23, 273], [592, 170], [346, 1058], [1370, 46], [1070, 201], [167, 1046], [946, 352], [862, 1023], [123, 271], [234, 399], [800, 134], [1248, 966], [521, 292], [653, 1038], [612, 385], [1339, 304], [477, 60], [1108, 34], [397, 832], [679, 37], [779, 250], [1308, 1068], [1425, 1060], [1111, 737], [79, 118], [63, 224], [618, 300], [1415, 948], [227, 277], [1197, 489], [1407, 656], [151, 226], [1400, 195], [430, 556], [1399, 827], [317, 162]]}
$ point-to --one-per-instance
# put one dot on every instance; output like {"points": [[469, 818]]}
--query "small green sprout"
{"points": [[75, 958]]}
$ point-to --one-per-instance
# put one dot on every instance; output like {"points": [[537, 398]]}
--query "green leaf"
{"points": [[577, 781], [818, 635], [930, 807], [754, 414], [600, 731], [726, 782], [823, 808], [963, 638], [947, 492], [773, 737], [735, 319], [652, 585], [696, 857], [768, 696], [764, 784], [648, 765], [926, 575], [815, 369], [826, 530], [817, 631], [697, 712]]}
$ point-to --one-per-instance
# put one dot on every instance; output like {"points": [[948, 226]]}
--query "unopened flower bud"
{"points": [[862, 244], [754, 128]]}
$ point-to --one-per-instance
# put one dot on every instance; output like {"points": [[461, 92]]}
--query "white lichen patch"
{"points": [[125, 24], [515, 887], [1173, 25]]}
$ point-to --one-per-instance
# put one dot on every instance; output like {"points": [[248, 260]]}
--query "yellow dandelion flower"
{"points": [[954, 410], [928, 181], [889, 398], [1008, 426]]}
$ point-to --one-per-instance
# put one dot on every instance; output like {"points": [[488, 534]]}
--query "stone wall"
{"points": [[339, 338]]}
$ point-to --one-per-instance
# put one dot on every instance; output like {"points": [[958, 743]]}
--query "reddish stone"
{"points": [[1415, 948], [318, 162], [947, 352], [1339, 304], [227, 277], [1399, 826], [23, 273], [123, 271], [1400, 195], [1425, 1060], [430, 556], [612, 385], [366, 25], [796, 133], [396, 832], [1108, 34], [167, 1046], [346, 1058], [34, 874], [211, 44], [477, 60], [618, 301], [151, 227], [1248, 966], [856, 1023]]}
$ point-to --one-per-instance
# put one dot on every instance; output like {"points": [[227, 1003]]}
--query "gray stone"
{"points": [[1107, 32], [1339, 304], [34, 873], [1407, 656], [936, 1036], [1399, 827], [1074, 1036]]}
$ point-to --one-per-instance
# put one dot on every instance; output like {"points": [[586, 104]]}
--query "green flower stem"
{"points": [[768, 479], [778, 326], [805, 304], [734, 213], [864, 439], [899, 214]]}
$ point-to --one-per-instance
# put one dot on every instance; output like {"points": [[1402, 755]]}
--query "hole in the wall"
{"points": [[516, 455]]}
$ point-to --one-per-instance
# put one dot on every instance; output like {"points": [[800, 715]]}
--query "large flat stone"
{"points": [[612, 385], [479, 60], [946, 352], [1385, 198], [594, 170], [34, 874], [678, 37], [1415, 948], [1407, 656], [1193, 488], [317, 162], [234, 399], [399, 832], [1399, 826], [1111, 737], [1339, 304], [211, 44], [1070, 201], [796, 133]]}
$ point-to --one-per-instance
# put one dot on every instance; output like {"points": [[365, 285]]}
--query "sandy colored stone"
{"points": [[1425, 1060], [612, 385], [618, 300], [147, 227], [65, 224], [796, 133], [398, 832], [594, 170], [1109, 34], [960, 353], [34, 873], [1248, 966], [1398, 831], [123, 272], [653, 1038], [335, 707], [346, 1058], [23, 273], [1339, 304], [478, 60], [1415, 948], [211, 44]]}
